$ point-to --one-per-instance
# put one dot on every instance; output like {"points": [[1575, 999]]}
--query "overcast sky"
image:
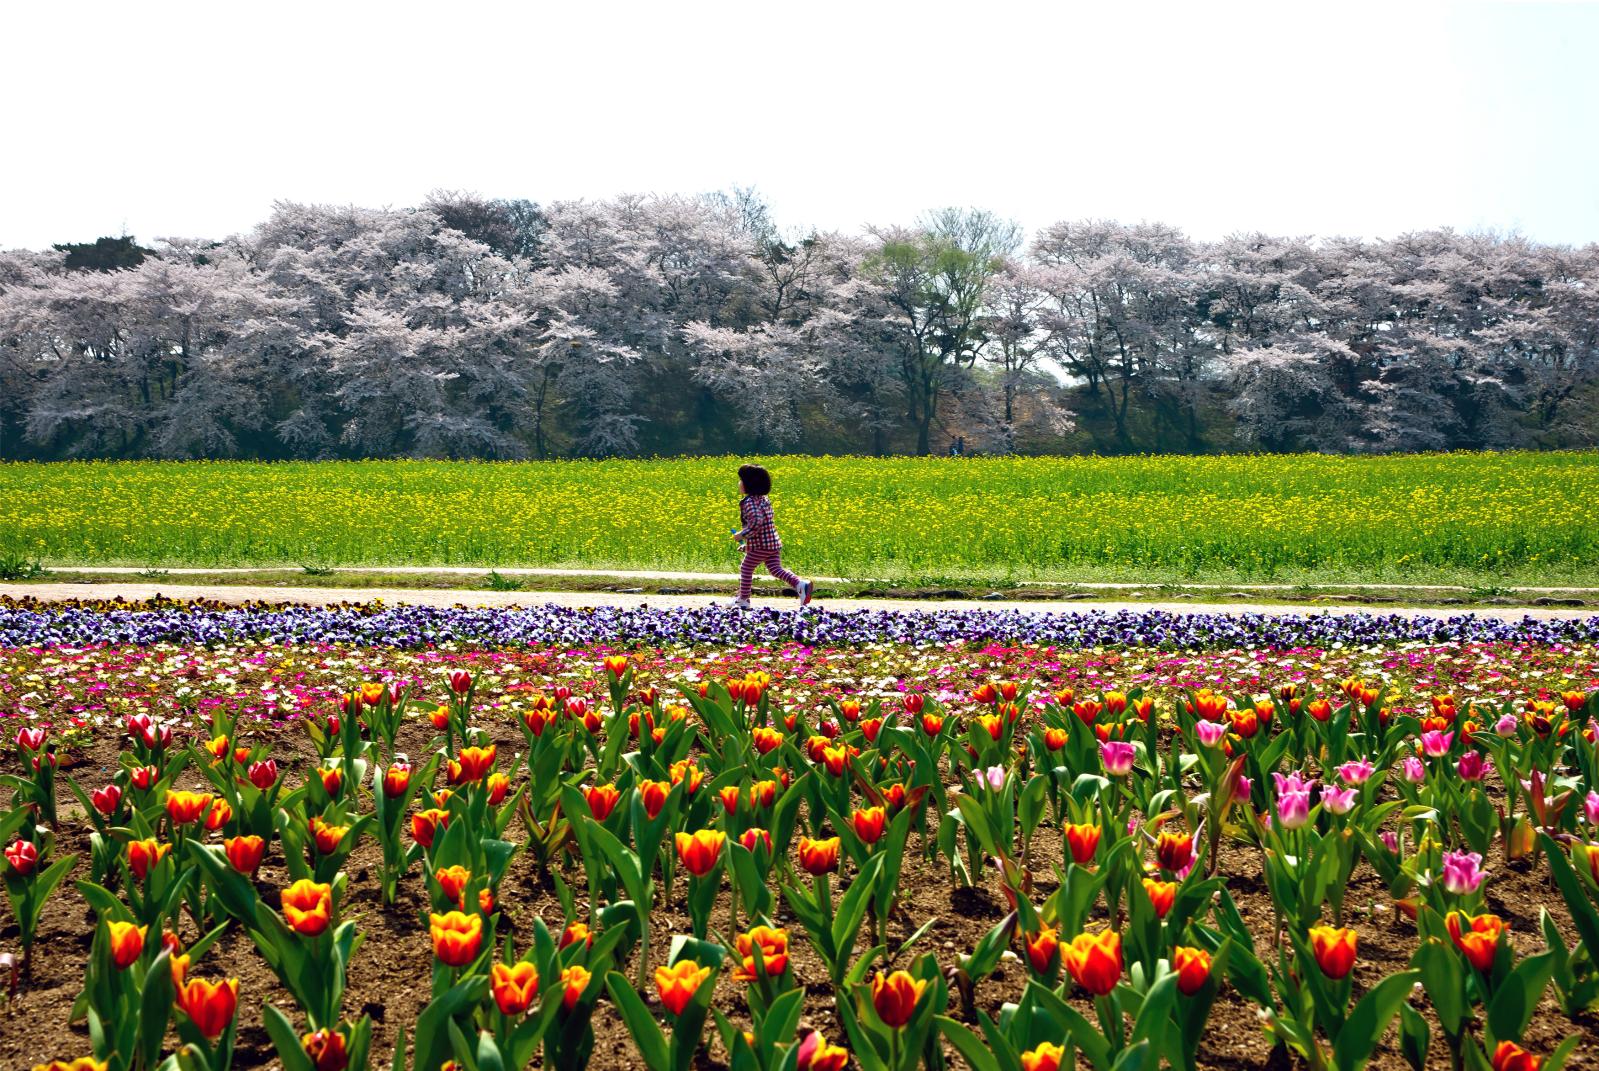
{"points": [[177, 119]]}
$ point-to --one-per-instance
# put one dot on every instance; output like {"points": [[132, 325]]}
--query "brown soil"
{"points": [[389, 976]]}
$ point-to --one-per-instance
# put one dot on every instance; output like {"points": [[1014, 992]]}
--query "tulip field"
{"points": [[1469, 518], [338, 839]]}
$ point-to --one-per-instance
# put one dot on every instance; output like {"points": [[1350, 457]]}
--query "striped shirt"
{"points": [[759, 530]]}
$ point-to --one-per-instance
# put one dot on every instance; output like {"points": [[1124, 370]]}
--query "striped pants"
{"points": [[773, 560]]}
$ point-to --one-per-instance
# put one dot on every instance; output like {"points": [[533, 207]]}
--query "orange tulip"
{"points": [[1512, 1057], [1334, 950], [372, 693], [144, 854], [574, 980], [332, 779], [209, 1005], [1193, 969], [868, 824], [895, 997], [679, 983], [440, 717], [687, 772], [327, 1050], [514, 987], [186, 807], [850, 709], [1162, 894], [327, 837], [763, 793], [729, 795], [308, 907], [615, 665], [992, 724], [700, 851], [1046, 1057], [816, 1054], [602, 800], [456, 937], [245, 853], [217, 746], [818, 857], [653, 794], [82, 1063], [1083, 839], [126, 943], [452, 882], [1477, 936], [1055, 739], [932, 724], [577, 931], [1043, 949], [765, 739], [1095, 961], [766, 943]]}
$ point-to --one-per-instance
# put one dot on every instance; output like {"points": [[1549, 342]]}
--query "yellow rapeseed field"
{"points": [[1495, 516]]}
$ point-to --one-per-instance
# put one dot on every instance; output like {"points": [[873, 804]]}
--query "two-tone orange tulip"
{"points": [[209, 1005], [895, 997], [615, 665], [82, 1063], [868, 823], [766, 739], [1046, 1057], [244, 853], [452, 882], [426, 824], [332, 779], [1477, 937], [602, 800], [186, 807], [678, 984], [514, 986], [1174, 851], [575, 932], [653, 795], [1334, 950], [1509, 1056], [1083, 840], [308, 907], [327, 837], [456, 937], [1193, 969], [144, 854], [1043, 950], [473, 765], [1162, 894], [126, 942], [767, 944], [1055, 739], [220, 814], [701, 850], [574, 982], [818, 857], [1095, 961]]}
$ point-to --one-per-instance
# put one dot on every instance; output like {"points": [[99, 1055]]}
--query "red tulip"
{"points": [[1334, 950], [244, 853], [456, 937], [209, 1005], [1095, 961], [1193, 969], [23, 855], [126, 942], [895, 997], [107, 799]]}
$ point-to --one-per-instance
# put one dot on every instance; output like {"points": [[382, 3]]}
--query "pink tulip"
{"points": [[1356, 773], [1211, 733], [1338, 800], [1243, 789], [995, 776], [31, 739], [105, 799], [460, 682], [1436, 744], [1293, 809], [1462, 872], [264, 774], [1413, 771], [1507, 725], [1117, 755], [1590, 808], [1390, 840], [1473, 766]]}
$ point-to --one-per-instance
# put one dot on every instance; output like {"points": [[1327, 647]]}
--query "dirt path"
{"points": [[669, 574], [233, 593]]}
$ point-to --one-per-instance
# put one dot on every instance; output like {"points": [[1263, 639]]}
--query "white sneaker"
{"points": [[742, 604], [806, 587]]}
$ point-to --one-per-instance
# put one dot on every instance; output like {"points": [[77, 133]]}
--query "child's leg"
{"points": [[774, 565], [746, 574]]}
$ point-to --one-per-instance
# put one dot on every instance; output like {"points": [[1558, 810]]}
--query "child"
{"points": [[759, 536]]}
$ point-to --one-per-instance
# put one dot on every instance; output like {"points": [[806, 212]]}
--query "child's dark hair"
{"points": [[756, 480]]}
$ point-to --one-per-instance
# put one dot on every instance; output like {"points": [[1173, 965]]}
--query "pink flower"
{"points": [[1117, 755], [1413, 771], [1462, 872], [105, 799], [1211, 733], [1507, 725], [1473, 767], [1338, 800], [263, 774], [995, 776], [1242, 790], [1390, 840], [1590, 808], [1356, 773], [1293, 808], [1436, 744], [30, 739]]}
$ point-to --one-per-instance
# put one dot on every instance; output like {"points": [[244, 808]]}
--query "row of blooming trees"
{"points": [[476, 328]]}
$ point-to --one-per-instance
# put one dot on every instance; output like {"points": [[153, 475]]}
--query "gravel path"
{"points": [[230, 593]]}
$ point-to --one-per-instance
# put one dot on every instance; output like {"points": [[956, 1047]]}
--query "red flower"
{"points": [[1477, 937], [602, 800], [818, 857], [1083, 840], [514, 987], [1512, 1057], [895, 997], [245, 853], [700, 851], [1193, 969], [1334, 950], [23, 855], [868, 824], [456, 937], [209, 1005], [107, 799], [144, 854], [1043, 949], [1095, 961]]}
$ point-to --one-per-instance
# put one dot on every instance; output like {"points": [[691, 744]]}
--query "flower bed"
{"points": [[592, 842]]}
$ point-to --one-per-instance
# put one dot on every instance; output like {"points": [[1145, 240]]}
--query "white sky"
{"points": [[188, 119]]}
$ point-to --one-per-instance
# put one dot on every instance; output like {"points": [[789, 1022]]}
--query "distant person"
{"points": [[759, 536]]}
